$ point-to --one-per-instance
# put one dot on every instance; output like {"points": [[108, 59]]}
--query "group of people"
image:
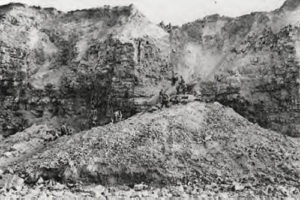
{"points": [[63, 130], [181, 88], [67, 130], [164, 98]]}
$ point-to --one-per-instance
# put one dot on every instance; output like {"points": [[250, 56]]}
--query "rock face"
{"points": [[250, 63], [77, 67]]}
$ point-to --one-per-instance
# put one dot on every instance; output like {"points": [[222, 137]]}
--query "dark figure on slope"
{"points": [[181, 88], [164, 98], [117, 117]]}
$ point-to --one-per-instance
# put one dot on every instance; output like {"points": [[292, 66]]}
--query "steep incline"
{"points": [[205, 143], [77, 67], [250, 63]]}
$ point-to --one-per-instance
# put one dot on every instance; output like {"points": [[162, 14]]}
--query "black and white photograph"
{"points": [[150, 99]]}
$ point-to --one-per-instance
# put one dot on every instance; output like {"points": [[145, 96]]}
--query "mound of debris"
{"points": [[27, 143], [207, 145]]}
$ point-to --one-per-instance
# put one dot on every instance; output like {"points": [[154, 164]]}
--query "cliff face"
{"points": [[77, 67], [249, 63], [81, 66]]}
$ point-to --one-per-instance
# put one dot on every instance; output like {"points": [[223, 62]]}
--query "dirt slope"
{"points": [[205, 143]]}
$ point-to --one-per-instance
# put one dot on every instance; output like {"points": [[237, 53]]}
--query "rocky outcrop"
{"points": [[265, 86], [250, 63], [78, 67]]}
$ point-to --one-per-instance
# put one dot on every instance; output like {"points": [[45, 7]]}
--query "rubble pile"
{"points": [[25, 144], [204, 145]]}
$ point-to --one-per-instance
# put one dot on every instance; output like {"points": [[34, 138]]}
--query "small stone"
{"points": [[97, 191], [40, 181], [283, 190], [8, 154], [124, 188], [237, 186], [139, 187], [8, 171], [59, 186], [57, 193]]}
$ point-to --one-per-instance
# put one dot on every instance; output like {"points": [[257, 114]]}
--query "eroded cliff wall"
{"points": [[81, 66], [77, 67], [249, 63]]}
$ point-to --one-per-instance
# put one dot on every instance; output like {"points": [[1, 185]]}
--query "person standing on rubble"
{"points": [[65, 130], [181, 88], [117, 117], [174, 78], [164, 98]]}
